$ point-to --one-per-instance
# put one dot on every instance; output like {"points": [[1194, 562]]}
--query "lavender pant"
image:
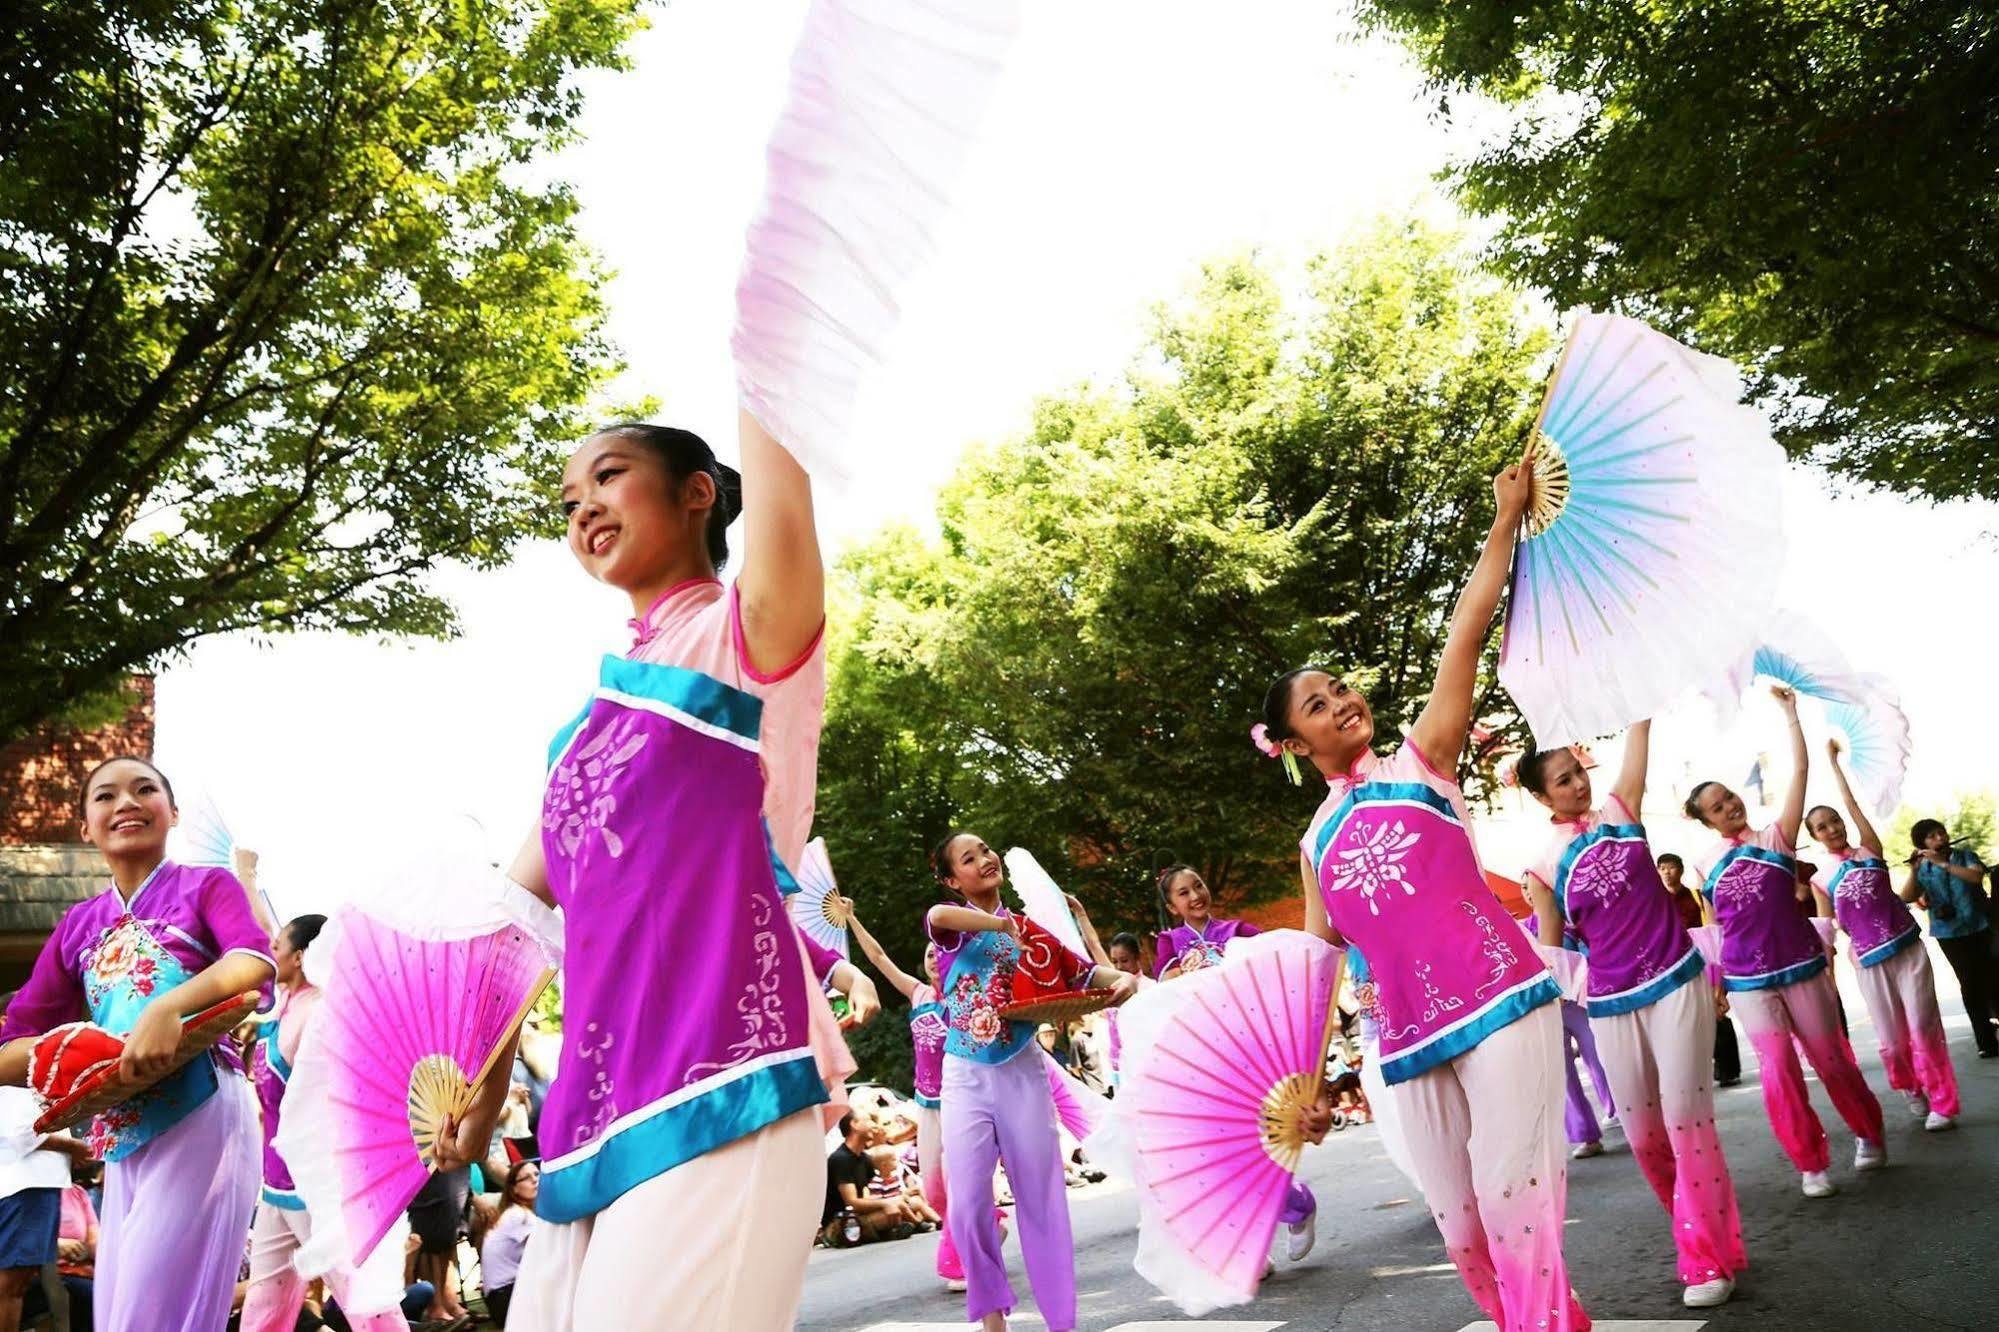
{"points": [[1578, 1118], [177, 1217], [996, 1113]]}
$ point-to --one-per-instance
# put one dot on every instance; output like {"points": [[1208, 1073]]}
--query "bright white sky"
{"points": [[1130, 141]]}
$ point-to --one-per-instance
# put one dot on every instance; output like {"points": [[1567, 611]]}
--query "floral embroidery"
{"points": [[1740, 886], [579, 799], [761, 1007], [1374, 862], [1497, 951], [1439, 1003], [590, 1047], [1599, 874], [973, 1004], [125, 953], [108, 1128], [1200, 954]]}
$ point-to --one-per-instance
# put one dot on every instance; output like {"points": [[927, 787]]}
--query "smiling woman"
{"points": [[159, 943]]}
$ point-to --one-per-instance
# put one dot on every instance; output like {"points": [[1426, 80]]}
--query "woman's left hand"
{"points": [[149, 1049], [1514, 486], [1316, 1121], [863, 1002], [1787, 699]]}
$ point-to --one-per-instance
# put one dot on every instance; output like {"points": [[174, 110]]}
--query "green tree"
{"points": [[286, 317], [1074, 662], [1804, 185], [1972, 818]]}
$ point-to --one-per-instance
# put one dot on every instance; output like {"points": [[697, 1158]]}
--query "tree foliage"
{"points": [[285, 317], [1973, 821], [1073, 661], [1805, 185]]}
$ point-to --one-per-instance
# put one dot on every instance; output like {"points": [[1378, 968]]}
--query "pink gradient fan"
{"points": [[413, 1027], [1216, 1104]]}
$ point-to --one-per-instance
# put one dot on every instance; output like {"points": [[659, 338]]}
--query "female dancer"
{"points": [[161, 942], [1471, 1039], [997, 1107], [926, 1039], [677, 1131], [1198, 941], [277, 1291], [1889, 961], [1773, 966], [1648, 1001]]}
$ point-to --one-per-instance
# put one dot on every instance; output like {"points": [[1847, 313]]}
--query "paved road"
{"points": [[1914, 1247]]}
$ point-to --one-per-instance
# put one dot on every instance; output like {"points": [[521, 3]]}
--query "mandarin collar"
{"points": [[647, 627]]}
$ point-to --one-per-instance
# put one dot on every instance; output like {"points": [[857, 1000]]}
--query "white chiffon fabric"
{"points": [[428, 895], [884, 102], [1043, 900]]}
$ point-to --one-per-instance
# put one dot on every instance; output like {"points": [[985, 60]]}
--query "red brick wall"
{"points": [[41, 772]]}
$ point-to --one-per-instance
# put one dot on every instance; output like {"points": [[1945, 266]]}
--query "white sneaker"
{"points": [[1610, 1121], [1919, 1104], [1937, 1123], [956, 1285], [1708, 1294], [1583, 1151], [1817, 1185], [1304, 1234], [1869, 1155]]}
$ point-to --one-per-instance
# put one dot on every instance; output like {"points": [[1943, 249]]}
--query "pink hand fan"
{"points": [[1214, 1104], [416, 1015]]}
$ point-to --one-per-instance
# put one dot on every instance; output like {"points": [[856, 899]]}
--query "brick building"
{"points": [[45, 865]]}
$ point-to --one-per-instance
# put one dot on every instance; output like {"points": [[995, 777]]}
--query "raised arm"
{"points": [[1089, 931], [781, 590], [883, 963], [1630, 786], [1441, 728], [1861, 824], [1793, 812], [969, 920]]}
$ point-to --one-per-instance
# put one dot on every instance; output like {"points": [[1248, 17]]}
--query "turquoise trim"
{"points": [[1747, 851], [1502, 1012], [1378, 793], [702, 697], [1773, 980], [274, 1057], [283, 1199], [1852, 863], [1649, 993], [787, 882], [927, 1102], [1880, 953], [626, 1158]]}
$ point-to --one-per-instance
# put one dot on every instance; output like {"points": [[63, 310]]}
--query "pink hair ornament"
{"points": [[1259, 735]]}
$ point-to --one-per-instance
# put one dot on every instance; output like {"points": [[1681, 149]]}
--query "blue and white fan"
{"points": [[1642, 571], [201, 838], [1796, 652], [1877, 742], [817, 907]]}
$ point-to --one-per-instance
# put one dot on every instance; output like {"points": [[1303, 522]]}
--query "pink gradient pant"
{"points": [[1780, 1021], [1660, 1060], [1901, 995], [1485, 1131], [277, 1291], [936, 1192], [997, 1113]]}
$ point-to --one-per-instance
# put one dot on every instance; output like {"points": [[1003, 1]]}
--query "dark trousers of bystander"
{"points": [[1727, 1054], [1970, 956]]}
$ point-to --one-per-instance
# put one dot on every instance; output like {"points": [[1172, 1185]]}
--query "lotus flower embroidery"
{"points": [[1374, 862], [579, 798]]}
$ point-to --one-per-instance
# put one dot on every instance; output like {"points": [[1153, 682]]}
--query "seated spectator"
{"points": [[892, 1180], [500, 1255], [848, 1171]]}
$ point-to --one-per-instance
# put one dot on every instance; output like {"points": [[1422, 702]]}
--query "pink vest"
{"points": [[1392, 849]]}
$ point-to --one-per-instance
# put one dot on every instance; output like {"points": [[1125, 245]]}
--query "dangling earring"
{"points": [[1292, 770]]}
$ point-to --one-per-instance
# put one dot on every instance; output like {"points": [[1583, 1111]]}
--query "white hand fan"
{"points": [[1877, 741], [1643, 570], [817, 907], [1045, 903], [201, 837], [885, 98], [1794, 651]]}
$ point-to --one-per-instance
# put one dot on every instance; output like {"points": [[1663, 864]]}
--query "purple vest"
{"points": [[927, 1030], [270, 1071], [1401, 881], [1765, 942], [1865, 904], [1194, 949], [1610, 894], [685, 1023]]}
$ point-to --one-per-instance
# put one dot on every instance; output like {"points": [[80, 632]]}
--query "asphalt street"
{"points": [[1914, 1246]]}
